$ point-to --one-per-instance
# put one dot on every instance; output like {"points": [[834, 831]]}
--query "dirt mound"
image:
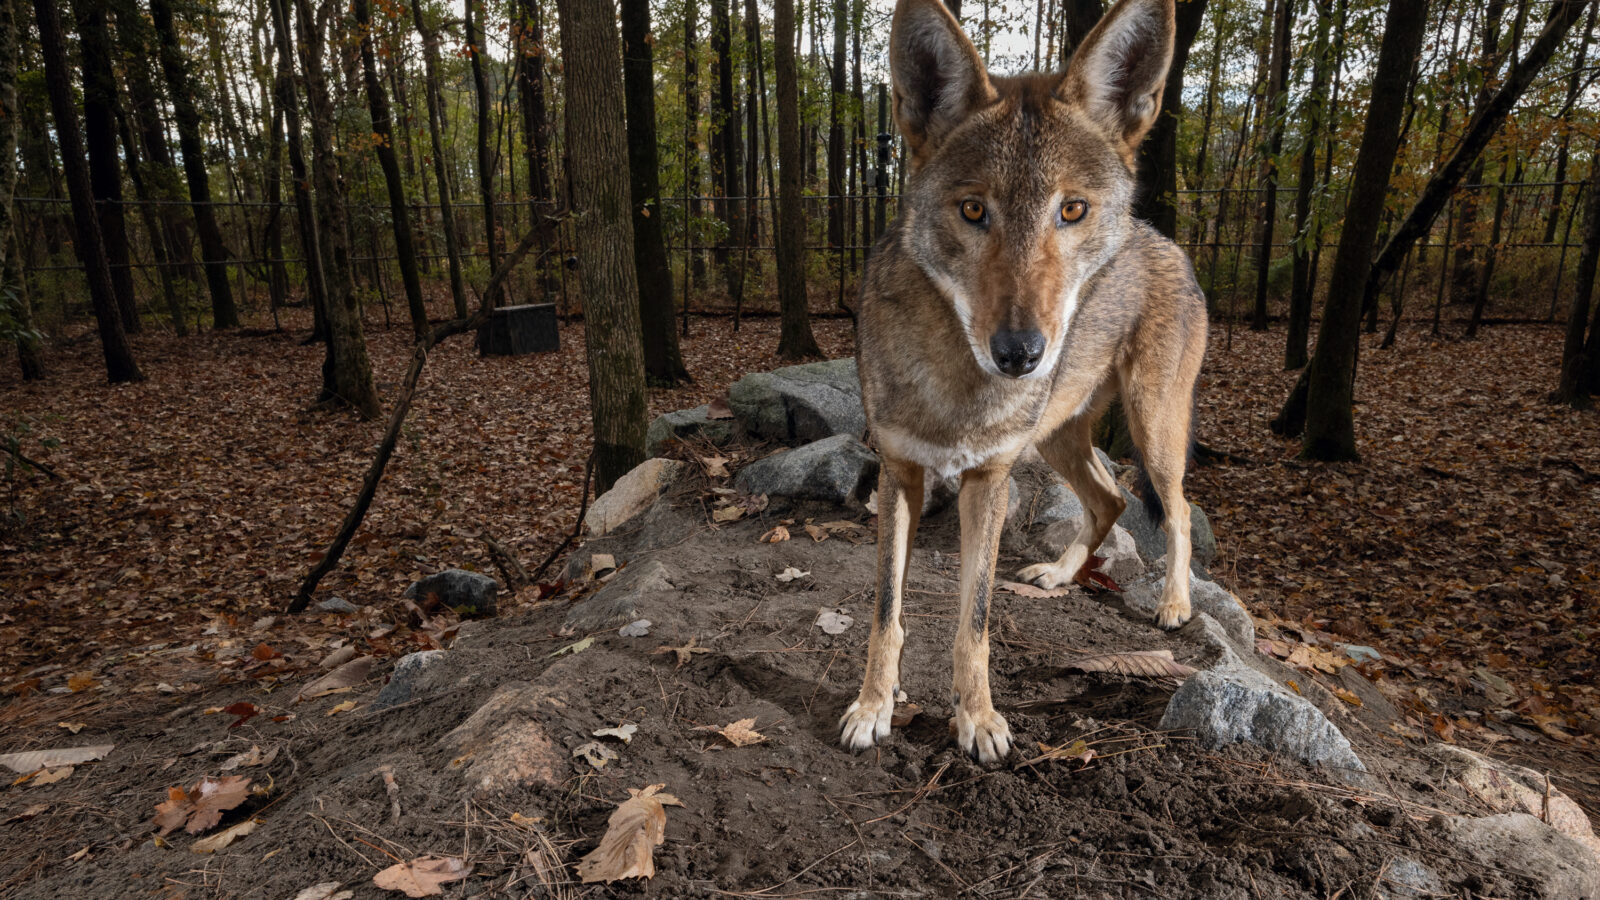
{"points": [[481, 755]]}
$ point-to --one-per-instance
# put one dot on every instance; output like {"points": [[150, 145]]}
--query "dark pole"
{"points": [[884, 137]]}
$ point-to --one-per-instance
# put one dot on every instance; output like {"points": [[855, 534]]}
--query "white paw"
{"points": [[1059, 573], [864, 724], [1172, 613], [984, 736]]}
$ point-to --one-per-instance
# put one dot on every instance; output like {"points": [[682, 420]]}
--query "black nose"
{"points": [[1016, 352]]}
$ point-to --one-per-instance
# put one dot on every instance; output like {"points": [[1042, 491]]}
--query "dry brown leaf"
{"points": [[327, 890], [82, 681], [903, 716], [33, 760], [225, 837], [343, 678], [1145, 663], [728, 513], [817, 532], [716, 466], [596, 753], [1033, 592], [73, 727], [51, 776], [719, 409], [422, 877], [686, 652], [634, 830], [740, 734], [778, 533], [346, 706], [1346, 695], [201, 806], [252, 757]]}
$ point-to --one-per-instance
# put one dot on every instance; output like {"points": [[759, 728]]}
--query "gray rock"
{"points": [[1204, 596], [835, 470], [688, 423], [1057, 503], [631, 495], [1557, 865], [799, 404], [1233, 703], [619, 601], [338, 605], [468, 593], [1507, 787], [1153, 540], [415, 675], [939, 494], [1405, 877]]}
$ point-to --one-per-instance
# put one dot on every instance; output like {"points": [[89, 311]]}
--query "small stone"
{"points": [[619, 601], [798, 404], [638, 628], [1361, 653], [834, 470], [505, 745], [415, 675], [1405, 877], [1232, 703], [468, 593], [688, 423], [338, 605], [631, 495]]}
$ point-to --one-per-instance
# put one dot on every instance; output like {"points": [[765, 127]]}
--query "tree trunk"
{"points": [[530, 97], [1480, 299], [663, 363], [1574, 86], [383, 145], [300, 179], [1486, 120], [28, 356], [795, 339], [1273, 119], [105, 171], [601, 214], [1156, 198], [1464, 281], [726, 151], [836, 101], [486, 156], [692, 185], [181, 91], [1303, 285], [346, 369], [1330, 390], [1078, 18], [447, 215], [120, 365]]}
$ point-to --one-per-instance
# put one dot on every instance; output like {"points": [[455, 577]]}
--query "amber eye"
{"points": [[972, 211], [1073, 210]]}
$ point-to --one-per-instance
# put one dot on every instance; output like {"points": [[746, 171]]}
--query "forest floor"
{"points": [[1464, 547]]}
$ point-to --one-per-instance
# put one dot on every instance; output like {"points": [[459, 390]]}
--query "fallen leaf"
{"points": [[1090, 574], [344, 678], [716, 466], [225, 837], [728, 513], [346, 706], [623, 733], [33, 760], [634, 830], [740, 734], [574, 647], [28, 813], [251, 757], [1146, 663], [817, 532], [1078, 750], [244, 710], [686, 652], [596, 753], [1033, 592], [777, 534], [265, 652], [73, 727], [422, 877], [81, 681], [79, 856], [522, 821], [903, 716], [790, 573], [51, 776], [327, 890], [201, 806], [719, 409], [635, 629], [833, 621], [1346, 695]]}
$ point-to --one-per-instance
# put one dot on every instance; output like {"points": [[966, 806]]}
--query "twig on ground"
{"points": [[583, 509]]}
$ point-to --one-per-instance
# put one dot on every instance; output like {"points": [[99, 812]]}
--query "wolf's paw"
{"points": [[984, 736], [1055, 574], [865, 723], [1172, 613]]}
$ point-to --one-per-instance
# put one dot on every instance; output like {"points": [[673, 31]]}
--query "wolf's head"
{"points": [[1020, 188]]}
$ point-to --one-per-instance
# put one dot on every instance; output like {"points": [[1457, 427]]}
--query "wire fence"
{"points": [[722, 247]]}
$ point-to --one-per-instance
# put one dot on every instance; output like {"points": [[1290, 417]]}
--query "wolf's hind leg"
{"points": [[1070, 452], [866, 721], [1159, 410]]}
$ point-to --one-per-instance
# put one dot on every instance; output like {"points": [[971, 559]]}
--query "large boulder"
{"points": [[838, 470], [1557, 865], [688, 423], [620, 601], [416, 675], [468, 593], [1234, 702], [799, 404], [631, 495], [1152, 538], [1506, 787]]}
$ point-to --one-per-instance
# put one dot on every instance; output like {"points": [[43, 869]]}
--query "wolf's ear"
{"points": [[1119, 71], [938, 76]]}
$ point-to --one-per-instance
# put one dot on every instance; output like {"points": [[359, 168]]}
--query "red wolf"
{"points": [[1012, 299]]}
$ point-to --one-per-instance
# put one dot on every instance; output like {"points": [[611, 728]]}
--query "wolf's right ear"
{"points": [[939, 79]]}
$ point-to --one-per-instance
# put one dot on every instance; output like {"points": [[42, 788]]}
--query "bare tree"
{"points": [[795, 339], [447, 215]]}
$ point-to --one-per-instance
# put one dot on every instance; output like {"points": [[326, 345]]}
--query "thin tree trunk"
{"points": [[300, 179], [486, 158], [1156, 197], [601, 211], [1330, 378], [529, 43], [1491, 253], [28, 356], [1464, 282], [795, 339], [447, 216], [692, 185], [1303, 287], [181, 91], [663, 363], [1273, 120], [1574, 87], [120, 365], [105, 171], [836, 101], [726, 167], [1078, 18], [1577, 365]]}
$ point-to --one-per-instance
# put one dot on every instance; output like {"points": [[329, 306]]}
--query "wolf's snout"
{"points": [[1016, 352]]}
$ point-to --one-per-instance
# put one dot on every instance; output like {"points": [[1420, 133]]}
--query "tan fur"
{"points": [[1116, 303]]}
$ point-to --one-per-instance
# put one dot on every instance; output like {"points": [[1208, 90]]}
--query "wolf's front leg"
{"points": [[866, 721], [980, 731]]}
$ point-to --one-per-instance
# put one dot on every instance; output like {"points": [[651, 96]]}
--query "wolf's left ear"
{"points": [[1119, 71], [938, 76]]}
